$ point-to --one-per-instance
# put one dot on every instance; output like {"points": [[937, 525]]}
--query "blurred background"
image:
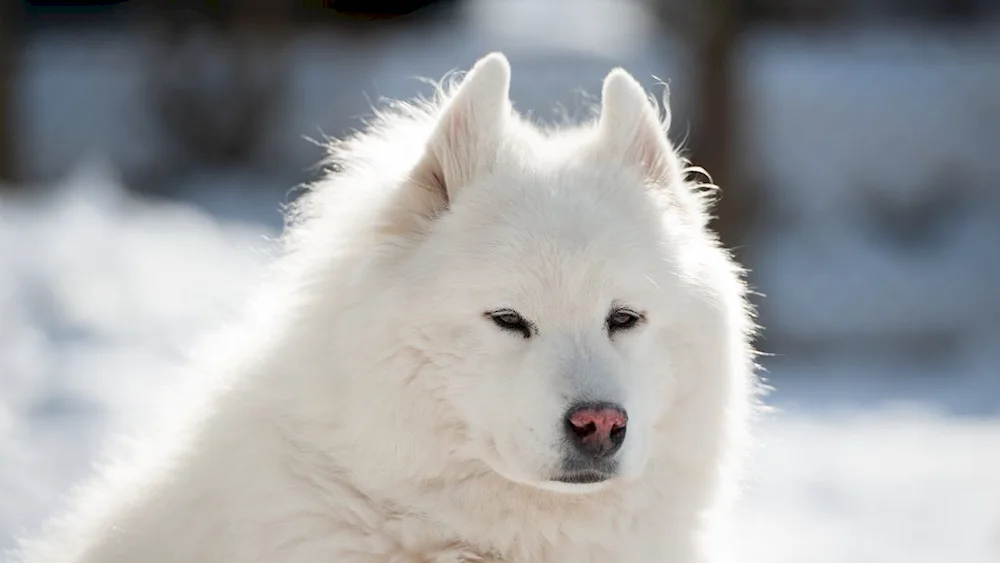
{"points": [[146, 149]]}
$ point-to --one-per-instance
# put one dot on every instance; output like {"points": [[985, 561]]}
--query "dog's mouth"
{"points": [[583, 477]]}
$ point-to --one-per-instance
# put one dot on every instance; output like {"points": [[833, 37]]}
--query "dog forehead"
{"points": [[544, 244], [570, 214]]}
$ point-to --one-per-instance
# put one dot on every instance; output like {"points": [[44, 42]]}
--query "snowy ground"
{"points": [[99, 295]]}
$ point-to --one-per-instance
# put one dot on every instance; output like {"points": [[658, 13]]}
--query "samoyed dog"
{"points": [[487, 341]]}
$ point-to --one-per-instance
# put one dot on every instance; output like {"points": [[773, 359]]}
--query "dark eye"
{"points": [[622, 319], [509, 319]]}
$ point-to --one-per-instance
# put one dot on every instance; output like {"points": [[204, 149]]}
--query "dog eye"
{"points": [[622, 319], [509, 319]]}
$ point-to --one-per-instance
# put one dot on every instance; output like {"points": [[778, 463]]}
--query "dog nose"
{"points": [[596, 429]]}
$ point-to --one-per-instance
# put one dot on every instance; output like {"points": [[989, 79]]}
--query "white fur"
{"points": [[373, 413]]}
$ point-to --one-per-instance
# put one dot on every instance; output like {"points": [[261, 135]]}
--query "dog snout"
{"points": [[596, 430]]}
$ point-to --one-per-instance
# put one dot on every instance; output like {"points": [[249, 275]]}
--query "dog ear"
{"points": [[465, 139], [631, 131], [632, 135]]}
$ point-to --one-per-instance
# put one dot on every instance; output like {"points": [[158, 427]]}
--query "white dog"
{"points": [[487, 342]]}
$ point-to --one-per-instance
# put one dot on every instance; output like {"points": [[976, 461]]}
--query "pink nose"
{"points": [[597, 429]]}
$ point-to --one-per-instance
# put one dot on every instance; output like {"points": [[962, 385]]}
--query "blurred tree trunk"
{"points": [[713, 30], [714, 140], [219, 82], [9, 49]]}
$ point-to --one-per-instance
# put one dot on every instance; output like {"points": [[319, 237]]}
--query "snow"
{"points": [[890, 485], [100, 293]]}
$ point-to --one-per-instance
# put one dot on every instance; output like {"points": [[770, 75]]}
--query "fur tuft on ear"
{"points": [[466, 137], [631, 130]]}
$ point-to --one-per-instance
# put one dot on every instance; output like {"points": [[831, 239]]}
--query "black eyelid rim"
{"points": [[632, 312], [504, 311], [529, 326], [640, 317]]}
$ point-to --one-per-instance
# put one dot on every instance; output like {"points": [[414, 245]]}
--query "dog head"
{"points": [[565, 296]]}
